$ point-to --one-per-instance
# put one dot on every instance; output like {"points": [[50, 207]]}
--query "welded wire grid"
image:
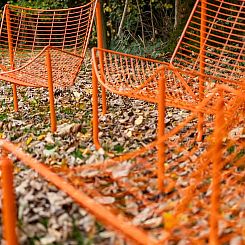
{"points": [[215, 31], [139, 78], [126, 186], [28, 31], [65, 67]]}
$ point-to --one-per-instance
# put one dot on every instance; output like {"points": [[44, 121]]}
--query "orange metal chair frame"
{"points": [[157, 88], [225, 115], [212, 43], [45, 48]]}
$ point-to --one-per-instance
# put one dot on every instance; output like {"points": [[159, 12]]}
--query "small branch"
{"points": [[176, 14], [152, 23], [123, 18], [141, 21]]}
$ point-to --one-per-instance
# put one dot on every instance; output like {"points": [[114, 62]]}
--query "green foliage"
{"points": [[47, 4], [118, 148], [78, 154], [3, 117], [148, 27], [49, 146], [78, 236]]}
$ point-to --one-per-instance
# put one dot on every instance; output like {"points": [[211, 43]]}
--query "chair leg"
{"points": [[14, 88], [95, 110], [216, 179], [200, 127], [200, 114], [8, 197], [51, 93], [160, 133], [52, 110], [160, 151], [103, 101]]}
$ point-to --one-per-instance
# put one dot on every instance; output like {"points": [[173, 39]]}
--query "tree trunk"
{"points": [[176, 14], [123, 17]]}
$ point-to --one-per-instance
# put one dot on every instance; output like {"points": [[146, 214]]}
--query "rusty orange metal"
{"points": [[45, 48]]}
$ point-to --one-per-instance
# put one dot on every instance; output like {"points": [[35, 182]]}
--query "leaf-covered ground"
{"points": [[46, 215]]}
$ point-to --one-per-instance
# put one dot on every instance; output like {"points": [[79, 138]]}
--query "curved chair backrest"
{"points": [[25, 32], [213, 40]]}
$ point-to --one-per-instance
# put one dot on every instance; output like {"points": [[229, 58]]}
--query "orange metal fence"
{"points": [[198, 180]]}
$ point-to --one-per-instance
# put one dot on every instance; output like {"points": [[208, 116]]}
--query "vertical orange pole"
{"points": [[11, 55], [51, 92], [202, 66], [95, 109], [99, 25], [217, 161], [8, 197], [14, 89], [100, 45], [160, 132]]}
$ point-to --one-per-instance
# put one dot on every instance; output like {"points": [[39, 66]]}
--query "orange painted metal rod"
{"points": [[95, 109], [15, 97], [101, 213], [202, 67], [11, 55], [51, 92], [100, 45], [217, 158], [99, 25], [8, 197], [161, 127]]}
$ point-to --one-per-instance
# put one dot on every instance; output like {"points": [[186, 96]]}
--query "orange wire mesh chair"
{"points": [[44, 48], [212, 43], [122, 193]]}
